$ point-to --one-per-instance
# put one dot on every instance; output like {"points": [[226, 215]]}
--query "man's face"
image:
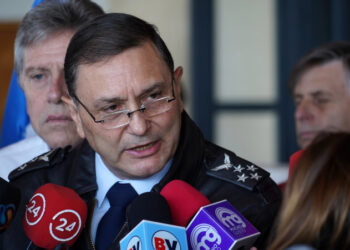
{"points": [[322, 100], [43, 83], [125, 81]]}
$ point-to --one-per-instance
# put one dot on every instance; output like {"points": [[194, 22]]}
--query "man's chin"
{"points": [[61, 141], [305, 138]]}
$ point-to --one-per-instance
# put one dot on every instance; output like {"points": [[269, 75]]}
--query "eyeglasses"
{"points": [[122, 118]]}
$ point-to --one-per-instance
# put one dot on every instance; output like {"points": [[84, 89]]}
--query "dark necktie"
{"points": [[119, 196]]}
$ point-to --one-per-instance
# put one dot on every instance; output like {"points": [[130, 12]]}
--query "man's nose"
{"points": [[57, 89], [138, 124], [304, 111]]}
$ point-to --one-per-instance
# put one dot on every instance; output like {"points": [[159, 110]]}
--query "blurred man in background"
{"points": [[40, 48], [320, 86]]}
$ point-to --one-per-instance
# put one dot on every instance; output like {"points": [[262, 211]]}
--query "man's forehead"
{"points": [[328, 77], [137, 65], [47, 52], [138, 57], [52, 41], [312, 87]]}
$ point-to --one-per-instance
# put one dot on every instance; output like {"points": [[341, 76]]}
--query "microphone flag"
{"points": [[220, 226], [15, 119]]}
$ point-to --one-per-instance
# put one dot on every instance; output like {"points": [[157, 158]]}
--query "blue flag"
{"points": [[36, 2], [15, 119]]}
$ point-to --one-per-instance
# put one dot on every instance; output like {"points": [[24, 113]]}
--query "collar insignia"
{"points": [[227, 164], [242, 177]]}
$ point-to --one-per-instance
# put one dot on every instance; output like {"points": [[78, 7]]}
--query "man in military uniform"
{"points": [[125, 101]]}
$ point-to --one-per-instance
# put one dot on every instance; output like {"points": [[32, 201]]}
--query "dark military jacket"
{"points": [[216, 172]]}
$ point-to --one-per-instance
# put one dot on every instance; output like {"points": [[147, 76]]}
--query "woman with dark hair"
{"points": [[316, 205]]}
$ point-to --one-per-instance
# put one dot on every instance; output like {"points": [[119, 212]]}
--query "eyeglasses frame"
{"points": [[129, 113]]}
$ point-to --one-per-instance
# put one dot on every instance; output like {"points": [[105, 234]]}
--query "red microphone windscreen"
{"points": [[293, 160], [184, 201], [54, 215]]}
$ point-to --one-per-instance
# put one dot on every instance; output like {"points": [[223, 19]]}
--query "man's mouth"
{"points": [[145, 150], [143, 147], [307, 134], [58, 118]]}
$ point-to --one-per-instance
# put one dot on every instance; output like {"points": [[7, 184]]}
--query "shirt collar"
{"points": [[105, 179]]}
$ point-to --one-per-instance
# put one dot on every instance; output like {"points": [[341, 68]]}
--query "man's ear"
{"points": [[177, 78], [73, 110]]}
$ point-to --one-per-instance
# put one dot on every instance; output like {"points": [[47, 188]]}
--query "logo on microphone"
{"points": [[231, 220], [35, 209], [205, 237], [164, 240], [7, 213], [65, 225], [134, 244]]}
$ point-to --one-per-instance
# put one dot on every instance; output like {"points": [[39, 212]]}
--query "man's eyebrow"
{"points": [[314, 93], [157, 85], [115, 100], [105, 101], [320, 93], [31, 69]]}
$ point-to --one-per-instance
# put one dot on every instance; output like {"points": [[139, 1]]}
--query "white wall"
{"points": [[245, 72], [13, 10], [245, 49]]}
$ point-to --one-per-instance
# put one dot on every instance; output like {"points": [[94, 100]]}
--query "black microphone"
{"points": [[148, 206], [9, 201], [146, 215]]}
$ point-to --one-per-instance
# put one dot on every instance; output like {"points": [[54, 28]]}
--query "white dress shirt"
{"points": [[105, 180]]}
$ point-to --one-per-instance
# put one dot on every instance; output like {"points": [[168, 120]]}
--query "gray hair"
{"points": [[51, 17]]}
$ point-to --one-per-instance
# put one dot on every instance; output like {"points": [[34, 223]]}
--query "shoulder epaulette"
{"points": [[236, 170], [45, 160]]}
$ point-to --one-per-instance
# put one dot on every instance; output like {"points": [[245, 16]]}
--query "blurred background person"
{"points": [[40, 47], [316, 205], [320, 87]]}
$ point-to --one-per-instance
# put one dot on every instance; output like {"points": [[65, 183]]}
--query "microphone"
{"points": [[293, 160], [220, 225], [148, 206], [148, 218], [9, 201], [55, 216], [214, 226], [184, 201]]}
